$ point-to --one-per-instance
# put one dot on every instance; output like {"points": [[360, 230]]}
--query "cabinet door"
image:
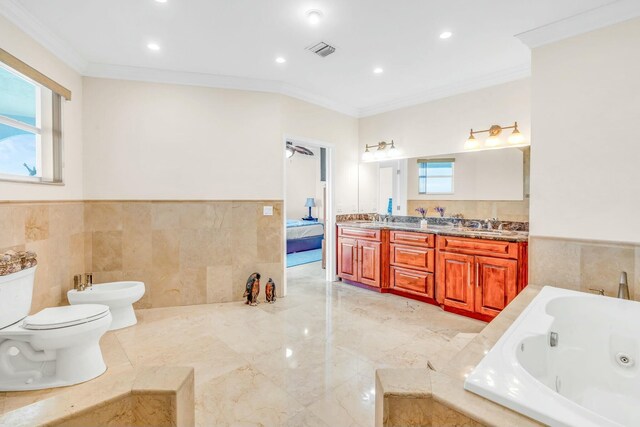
{"points": [[348, 258], [457, 280], [369, 262], [496, 284]]}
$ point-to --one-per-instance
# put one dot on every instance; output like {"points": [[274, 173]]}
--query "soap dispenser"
{"points": [[623, 287]]}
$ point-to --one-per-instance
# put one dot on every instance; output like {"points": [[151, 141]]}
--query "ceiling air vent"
{"points": [[322, 49]]}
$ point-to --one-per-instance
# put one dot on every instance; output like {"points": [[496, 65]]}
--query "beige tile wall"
{"points": [[185, 252], [581, 265], [55, 232], [475, 209]]}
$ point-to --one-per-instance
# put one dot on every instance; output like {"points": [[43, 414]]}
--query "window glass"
{"points": [[18, 152], [19, 98]]}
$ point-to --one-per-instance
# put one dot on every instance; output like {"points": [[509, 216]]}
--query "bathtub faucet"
{"points": [[597, 291]]}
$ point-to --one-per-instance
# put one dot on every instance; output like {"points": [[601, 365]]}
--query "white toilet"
{"points": [[119, 296], [58, 346]]}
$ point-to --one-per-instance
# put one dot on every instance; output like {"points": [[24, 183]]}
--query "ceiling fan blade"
{"points": [[303, 150]]}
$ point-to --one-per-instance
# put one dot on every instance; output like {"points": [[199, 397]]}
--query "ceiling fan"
{"points": [[293, 149]]}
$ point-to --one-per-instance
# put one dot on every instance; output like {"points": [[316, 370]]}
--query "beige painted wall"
{"points": [[160, 141], [26, 49], [585, 178], [442, 126], [301, 120]]}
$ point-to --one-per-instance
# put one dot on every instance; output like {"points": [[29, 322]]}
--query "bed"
{"points": [[304, 235]]}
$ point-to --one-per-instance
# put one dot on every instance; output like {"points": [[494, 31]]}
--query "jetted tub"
{"points": [[569, 359]]}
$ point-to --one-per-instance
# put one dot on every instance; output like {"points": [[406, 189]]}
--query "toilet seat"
{"points": [[63, 317]]}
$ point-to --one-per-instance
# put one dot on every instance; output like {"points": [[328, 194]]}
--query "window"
{"points": [[435, 176], [30, 129]]}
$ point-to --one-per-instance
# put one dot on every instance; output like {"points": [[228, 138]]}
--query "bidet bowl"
{"points": [[119, 296]]}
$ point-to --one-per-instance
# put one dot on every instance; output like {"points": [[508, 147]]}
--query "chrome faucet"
{"points": [[623, 286], [476, 224]]}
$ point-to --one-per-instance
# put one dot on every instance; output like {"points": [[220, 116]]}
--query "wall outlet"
{"points": [[267, 210]]}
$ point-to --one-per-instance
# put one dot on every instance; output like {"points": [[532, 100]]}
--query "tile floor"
{"points": [[307, 360]]}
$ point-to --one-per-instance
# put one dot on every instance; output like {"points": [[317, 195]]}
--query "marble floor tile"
{"points": [[307, 360]]}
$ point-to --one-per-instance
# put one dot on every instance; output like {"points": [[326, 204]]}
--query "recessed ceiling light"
{"points": [[153, 46], [161, 1], [446, 35], [314, 16], [280, 60], [378, 70]]}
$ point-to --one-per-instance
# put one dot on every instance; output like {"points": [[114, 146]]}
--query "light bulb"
{"points": [[380, 154], [289, 152], [367, 156], [471, 143], [516, 137], [314, 17], [492, 141]]}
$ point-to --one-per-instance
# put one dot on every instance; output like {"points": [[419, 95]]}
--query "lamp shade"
{"points": [[311, 203]]}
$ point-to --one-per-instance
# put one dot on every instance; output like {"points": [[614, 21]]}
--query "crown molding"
{"points": [[592, 19], [24, 20], [143, 74], [480, 82]]}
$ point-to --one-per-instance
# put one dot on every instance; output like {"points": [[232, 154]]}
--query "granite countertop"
{"points": [[443, 230]]}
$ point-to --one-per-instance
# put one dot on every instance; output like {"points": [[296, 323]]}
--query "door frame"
{"points": [[329, 221]]}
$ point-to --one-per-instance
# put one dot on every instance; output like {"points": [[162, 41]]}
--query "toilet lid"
{"points": [[62, 317]]}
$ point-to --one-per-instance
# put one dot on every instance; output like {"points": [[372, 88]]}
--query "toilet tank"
{"points": [[16, 291]]}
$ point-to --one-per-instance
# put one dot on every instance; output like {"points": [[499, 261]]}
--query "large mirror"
{"points": [[475, 185]]}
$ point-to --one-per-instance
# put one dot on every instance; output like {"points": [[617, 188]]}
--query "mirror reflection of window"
{"points": [[435, 176]]}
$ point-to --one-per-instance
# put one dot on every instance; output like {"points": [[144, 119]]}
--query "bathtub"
{"points": [[588, 377]]}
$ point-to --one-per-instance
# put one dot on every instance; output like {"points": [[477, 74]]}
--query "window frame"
{"points": [[55, 160], [426, 177]]}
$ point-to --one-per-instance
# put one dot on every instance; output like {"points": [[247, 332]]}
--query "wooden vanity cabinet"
{"points": [[412, 265], [479, 277], [360, 256]]}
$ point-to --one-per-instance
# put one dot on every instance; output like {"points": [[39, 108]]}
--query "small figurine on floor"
{"points": [[270, 291], [252, 289]]}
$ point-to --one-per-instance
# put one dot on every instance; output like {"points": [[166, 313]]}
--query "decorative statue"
{"points": [[252, 289], [270, 291]]}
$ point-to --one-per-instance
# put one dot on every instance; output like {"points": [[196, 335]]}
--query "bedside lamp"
{"points": [[311, 203]]}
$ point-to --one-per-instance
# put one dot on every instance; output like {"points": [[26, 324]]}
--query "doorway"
{"points": [[309, 244]]}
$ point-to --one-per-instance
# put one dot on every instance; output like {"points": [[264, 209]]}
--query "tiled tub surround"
{"points": [[425, 397], [506, 210], [186, 252], [584, 264]]}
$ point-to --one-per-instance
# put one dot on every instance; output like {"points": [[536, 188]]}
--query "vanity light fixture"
{"points": [[383, 150], [494, 137]]}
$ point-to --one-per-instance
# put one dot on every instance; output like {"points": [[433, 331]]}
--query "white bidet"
{"points": [[119, 296]]}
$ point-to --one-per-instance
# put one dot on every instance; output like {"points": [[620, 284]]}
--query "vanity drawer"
{"points": [[470, 246], [411, 280], [414, 239], [359, 233], [412, 257]]}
